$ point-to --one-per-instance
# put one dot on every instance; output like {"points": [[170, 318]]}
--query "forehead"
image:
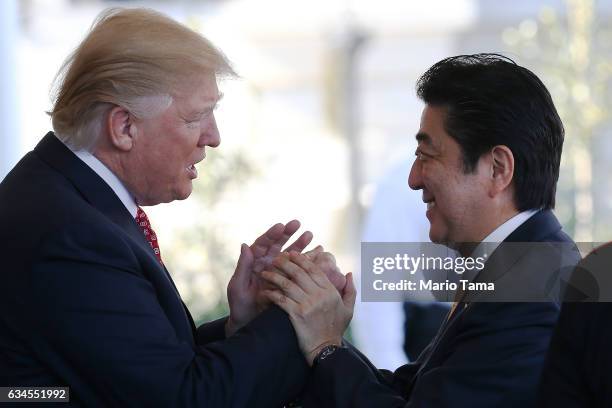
{"points": [[197, 93], [431, 132]]}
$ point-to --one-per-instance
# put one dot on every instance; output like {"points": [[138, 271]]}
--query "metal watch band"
{"points": [[324, 353]]}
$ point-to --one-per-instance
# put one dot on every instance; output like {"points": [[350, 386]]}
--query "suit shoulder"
{"points": [[33, 192]]}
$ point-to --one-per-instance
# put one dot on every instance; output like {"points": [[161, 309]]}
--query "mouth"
{"points": [[431, 203], [191, 169]]}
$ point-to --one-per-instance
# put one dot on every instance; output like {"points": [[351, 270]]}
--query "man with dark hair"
{"points": [[487, 162], [491, 101]]}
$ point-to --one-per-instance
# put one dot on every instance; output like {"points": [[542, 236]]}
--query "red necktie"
{"points": [[145, 225]]}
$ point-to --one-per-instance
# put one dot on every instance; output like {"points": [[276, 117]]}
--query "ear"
{"points": [[502, 169], [121, 128]]}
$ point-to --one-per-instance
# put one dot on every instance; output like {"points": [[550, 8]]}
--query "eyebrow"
{"points": [[424, 138], [216, 101]]}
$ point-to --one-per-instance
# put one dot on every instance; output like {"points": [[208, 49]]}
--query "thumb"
{"points": [[349, 293], [312, 254]]}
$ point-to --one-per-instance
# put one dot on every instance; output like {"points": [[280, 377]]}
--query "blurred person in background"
{"points": [[86, 301], [577, 367], [487, 163]]}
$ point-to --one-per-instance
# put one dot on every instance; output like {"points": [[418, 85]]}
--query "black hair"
{"points": [[490, 101]]}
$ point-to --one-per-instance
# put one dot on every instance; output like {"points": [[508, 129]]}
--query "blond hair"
{"points": [[134, 58]]}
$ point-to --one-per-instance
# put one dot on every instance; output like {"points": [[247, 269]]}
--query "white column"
{"points": [[9, 135]]}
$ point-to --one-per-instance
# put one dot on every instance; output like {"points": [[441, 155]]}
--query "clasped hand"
{"points": [[245, 285], [319, 311], [245, 289]]}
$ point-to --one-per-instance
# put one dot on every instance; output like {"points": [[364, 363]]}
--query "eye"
{"points": [[192, 124]]}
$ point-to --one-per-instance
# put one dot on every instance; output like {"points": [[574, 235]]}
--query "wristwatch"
{"points": [[324, 353]]}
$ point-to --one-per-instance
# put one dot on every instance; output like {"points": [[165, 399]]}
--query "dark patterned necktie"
{"points": [[145, 225]]}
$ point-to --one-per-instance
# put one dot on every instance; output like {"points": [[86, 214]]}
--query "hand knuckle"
{"points": [[285, 284]]}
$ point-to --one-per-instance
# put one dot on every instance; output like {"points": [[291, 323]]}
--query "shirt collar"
{"points": [[499, 234], [110, 178], [503, 231]]}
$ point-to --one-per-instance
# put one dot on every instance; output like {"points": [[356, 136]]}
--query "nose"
{"points": [[210, 134], [415, 181]]}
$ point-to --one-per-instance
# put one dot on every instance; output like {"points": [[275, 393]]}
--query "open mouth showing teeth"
{"points": [[193, 172], [431, 204]]}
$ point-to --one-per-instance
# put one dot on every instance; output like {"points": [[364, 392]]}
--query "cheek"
{"points": [[434, 180], [188, 142], [448, 185], [163, 167]]}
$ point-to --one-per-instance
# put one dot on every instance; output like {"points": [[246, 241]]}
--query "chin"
{"points": [[180, 197], [435, 239], [436, 236], [184, 193]]}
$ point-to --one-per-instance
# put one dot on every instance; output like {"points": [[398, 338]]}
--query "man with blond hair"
{"points": [[86, 301]]}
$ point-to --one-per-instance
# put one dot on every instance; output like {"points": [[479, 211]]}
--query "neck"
{"points": [[115, 164], [488, 226]]}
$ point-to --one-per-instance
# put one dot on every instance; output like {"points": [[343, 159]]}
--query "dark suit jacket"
{"points": [[486, 355], [84, 303], [577, 371]]}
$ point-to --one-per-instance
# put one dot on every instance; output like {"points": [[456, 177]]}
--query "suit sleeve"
{"points": [[490, 360], [100, 327], [211, 331], [346, 379]]}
